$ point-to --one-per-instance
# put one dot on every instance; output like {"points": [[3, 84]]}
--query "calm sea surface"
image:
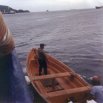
{"points": [[75, 37]]}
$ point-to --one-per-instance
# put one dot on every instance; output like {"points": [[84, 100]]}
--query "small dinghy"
{"points": [[60, 84]]}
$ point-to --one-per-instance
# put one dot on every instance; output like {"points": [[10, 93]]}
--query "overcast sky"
{"points": [[41, 5]]}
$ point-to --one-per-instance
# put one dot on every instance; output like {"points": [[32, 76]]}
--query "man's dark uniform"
{"points": [[42, 61]]}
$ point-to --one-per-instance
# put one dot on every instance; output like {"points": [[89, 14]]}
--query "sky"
{"points": [[42, 5]]}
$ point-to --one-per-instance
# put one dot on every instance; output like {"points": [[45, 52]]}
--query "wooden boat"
{"points": [[60, 84]]}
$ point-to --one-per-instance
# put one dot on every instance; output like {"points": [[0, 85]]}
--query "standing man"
{"points": [[42, 59]]}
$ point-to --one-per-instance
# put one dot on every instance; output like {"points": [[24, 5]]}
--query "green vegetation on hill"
{"points": [[7, 9]]}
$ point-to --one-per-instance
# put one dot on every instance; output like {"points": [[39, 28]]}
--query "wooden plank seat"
{"points": [[68, 91], [51, 76]]}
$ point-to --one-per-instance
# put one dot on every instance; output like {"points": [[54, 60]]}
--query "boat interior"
{"points": [[61, 81]]}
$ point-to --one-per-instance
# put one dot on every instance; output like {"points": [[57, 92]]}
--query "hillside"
{"points": [[6, 9]]}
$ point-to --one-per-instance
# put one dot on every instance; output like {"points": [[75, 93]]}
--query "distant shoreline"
{"points": [[8, 10]]}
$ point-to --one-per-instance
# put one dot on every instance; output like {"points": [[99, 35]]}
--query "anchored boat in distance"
{"points": [[99, 7]]}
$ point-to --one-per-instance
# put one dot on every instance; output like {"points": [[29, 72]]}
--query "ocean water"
{"points": [[74, 37]]}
